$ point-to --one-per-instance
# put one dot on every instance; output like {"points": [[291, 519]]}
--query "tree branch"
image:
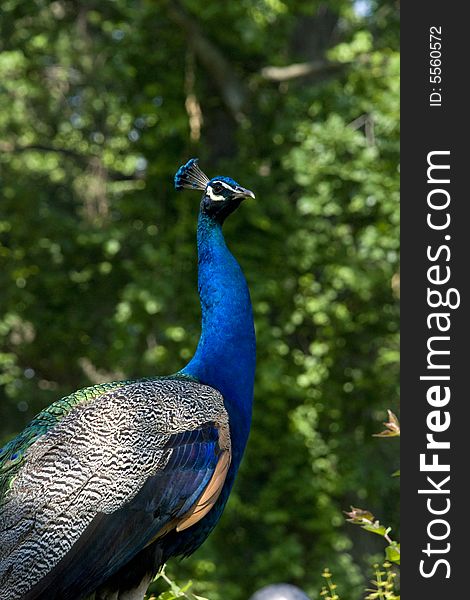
{"points": [[232, 90], [297, 70]]}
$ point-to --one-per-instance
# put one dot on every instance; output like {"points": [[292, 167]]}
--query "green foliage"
{"points": [[328, 591], [366, 519], [100, 102], [383, 582], [173, 592]]}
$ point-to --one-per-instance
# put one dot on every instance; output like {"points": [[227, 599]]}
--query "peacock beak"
{"points": [[244, 193]]}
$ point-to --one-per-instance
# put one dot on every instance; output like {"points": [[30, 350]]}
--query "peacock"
{"points": [[107, 484]]}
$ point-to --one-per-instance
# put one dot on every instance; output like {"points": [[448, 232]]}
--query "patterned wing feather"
{"points": [[13, 453], [108, 479]]}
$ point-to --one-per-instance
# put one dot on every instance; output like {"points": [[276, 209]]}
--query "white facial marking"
{"points": [[218, 197], [212, 195]]}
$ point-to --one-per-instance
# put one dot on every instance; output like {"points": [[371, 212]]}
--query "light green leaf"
{"points": [[392, 553]]}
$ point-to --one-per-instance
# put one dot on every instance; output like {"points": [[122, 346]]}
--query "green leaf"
{"points": [[378, 529], [169, 595], [392, 553]]}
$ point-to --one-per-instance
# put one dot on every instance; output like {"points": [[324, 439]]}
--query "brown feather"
{"points": [[210, 494]]}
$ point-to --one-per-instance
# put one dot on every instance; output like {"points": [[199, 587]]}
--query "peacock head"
{"points": [[222, 195]]}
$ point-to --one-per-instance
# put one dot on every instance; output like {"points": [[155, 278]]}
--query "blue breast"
{"points": [[225, 359]]}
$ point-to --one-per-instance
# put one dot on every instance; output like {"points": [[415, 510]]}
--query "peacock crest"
{"points": [[191, 177]]}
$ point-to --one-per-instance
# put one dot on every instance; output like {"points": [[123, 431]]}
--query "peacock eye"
{"points": [[217, 188]]}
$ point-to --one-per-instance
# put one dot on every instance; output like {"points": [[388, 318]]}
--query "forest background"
{"points": [[100, 102]]}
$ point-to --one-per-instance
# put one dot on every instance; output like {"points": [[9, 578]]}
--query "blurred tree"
{"points": [[100, 102]]}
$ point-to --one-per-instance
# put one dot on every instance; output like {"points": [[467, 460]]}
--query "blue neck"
{"points": [[226, 354]]}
